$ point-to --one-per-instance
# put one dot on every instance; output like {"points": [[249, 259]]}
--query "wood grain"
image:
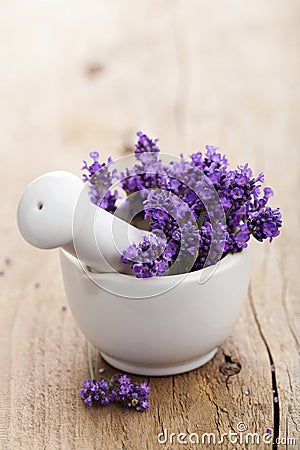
{"points": [[79, 76]]}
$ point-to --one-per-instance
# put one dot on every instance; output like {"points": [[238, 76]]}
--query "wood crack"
{"points": [[291, 412], [276, 406], [159, 418], [173, 392]]}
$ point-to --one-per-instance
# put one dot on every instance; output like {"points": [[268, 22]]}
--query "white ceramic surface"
{"points": [[162, 325], [46, 208], [55, 211]]}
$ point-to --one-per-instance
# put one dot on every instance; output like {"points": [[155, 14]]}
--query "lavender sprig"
{"points": [[192, 222], [100, 182], [117, 388]]}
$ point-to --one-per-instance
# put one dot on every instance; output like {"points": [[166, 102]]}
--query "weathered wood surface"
{"points": [[77, 76]]}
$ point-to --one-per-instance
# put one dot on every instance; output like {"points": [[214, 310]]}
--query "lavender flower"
{"points": [[149, 172], [171, 216], [147, 259], [138, 396], [265, 223], [198, 209], [145, 145], [114, 389], [100, 181], [95, 392]]}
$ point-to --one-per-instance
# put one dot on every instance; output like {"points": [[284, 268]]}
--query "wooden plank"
{"points": [[76, 78]]}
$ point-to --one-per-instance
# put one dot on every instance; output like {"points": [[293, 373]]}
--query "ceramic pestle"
{"points": [[55, 211]]}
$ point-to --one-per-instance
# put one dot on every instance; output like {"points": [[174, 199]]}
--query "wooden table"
{"points": [[80, 76]]}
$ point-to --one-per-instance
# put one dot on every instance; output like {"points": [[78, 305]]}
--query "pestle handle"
{"points": [[46, 208], [55, 211]]}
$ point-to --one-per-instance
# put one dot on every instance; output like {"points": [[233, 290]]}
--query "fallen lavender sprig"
{"points": [[117, 388]]}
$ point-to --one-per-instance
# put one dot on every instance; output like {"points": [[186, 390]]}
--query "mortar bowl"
{"points": [[157, 326]]}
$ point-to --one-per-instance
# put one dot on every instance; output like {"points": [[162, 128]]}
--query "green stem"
{"points": [[229, 212], [105, 378], [89, 353], [201, 218]]}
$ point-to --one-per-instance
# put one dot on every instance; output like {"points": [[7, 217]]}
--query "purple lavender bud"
{"points": [[268, 192], [143, 406], [87, 384], [124, 379], [144, 387], [89, 401], [145, 144], [94, 156], [103, 384], [236, 193], [124, 390]]}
